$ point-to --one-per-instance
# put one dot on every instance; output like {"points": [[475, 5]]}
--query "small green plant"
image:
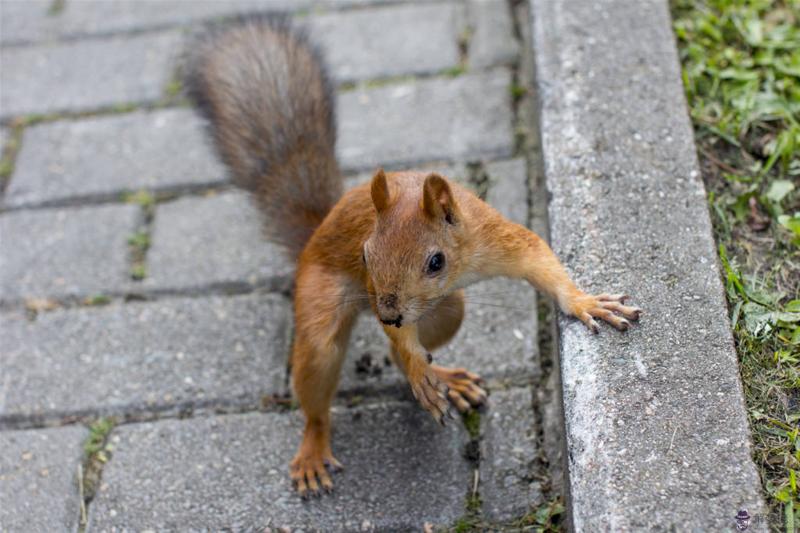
{"points": [[56, 7], [6, 169], [547, 518], [126, 107], [391, 80], [97, 452], [173, 88], [139, 240], [98, 433], [9, 154], [465, 524], [454, 71], [518, 91], [138, 271], [141, 197], [472, 423], [96, 300], [138, 243]]}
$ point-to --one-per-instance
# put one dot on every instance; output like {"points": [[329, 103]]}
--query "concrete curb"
{"points": [[656, 427]]}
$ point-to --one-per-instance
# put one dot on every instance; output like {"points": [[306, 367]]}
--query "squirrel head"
{"points": [[412, 256]]}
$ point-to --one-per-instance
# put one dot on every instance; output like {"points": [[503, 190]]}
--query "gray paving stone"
{"points": [[90, 74], [102, 72], [508, 456], [358, 46], [38, 479], [144, 356], [656, 425], [401, 470], [22, 21], [492, 41], [467, 117], [111, 154], [65, 252], [29, 21], [88, 17], [3, 140], [212, 240], [508, 189]]}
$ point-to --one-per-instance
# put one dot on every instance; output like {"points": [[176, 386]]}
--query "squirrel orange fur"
{"points": [[404, 245]]}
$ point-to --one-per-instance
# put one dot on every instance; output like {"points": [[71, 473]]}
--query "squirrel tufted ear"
{"points": [[380, 190], [438, 200]]}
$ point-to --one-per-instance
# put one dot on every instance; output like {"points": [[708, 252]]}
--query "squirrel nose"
{"points": [[388, 312], [388, 301]]}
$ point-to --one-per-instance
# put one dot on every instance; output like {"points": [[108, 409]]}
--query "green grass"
{"points": [[741, 73], [546, 518]]}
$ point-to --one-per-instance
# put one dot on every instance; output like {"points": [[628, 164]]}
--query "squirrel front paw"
{"points": [[587, 307], [432, 393], [465, 391]]}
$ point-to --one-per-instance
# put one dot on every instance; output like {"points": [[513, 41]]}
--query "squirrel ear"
{"points": [[438, 200], [380, 190]]}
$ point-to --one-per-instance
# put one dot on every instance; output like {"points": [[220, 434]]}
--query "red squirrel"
{"points": [[404, 245]]}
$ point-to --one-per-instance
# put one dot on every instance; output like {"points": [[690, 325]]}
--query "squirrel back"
{"points": [[269, 103]]}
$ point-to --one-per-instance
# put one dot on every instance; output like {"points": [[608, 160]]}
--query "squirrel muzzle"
{"points": [[388, 311]]}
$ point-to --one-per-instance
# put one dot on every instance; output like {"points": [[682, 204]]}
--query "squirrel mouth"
{"points": [[398, 322]]}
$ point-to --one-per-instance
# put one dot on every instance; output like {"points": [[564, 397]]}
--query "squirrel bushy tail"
{"points": [[270, 106]]}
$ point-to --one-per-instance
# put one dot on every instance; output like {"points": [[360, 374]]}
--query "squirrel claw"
{"points": [[431, 393], [310, 474], [590, 322], [333, 465]]}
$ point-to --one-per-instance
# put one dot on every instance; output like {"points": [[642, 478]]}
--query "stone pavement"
{"points": [[134, 282]]}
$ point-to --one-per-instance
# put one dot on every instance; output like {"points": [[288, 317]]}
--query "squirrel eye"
{"points": [[436, 263], [364, 255]]}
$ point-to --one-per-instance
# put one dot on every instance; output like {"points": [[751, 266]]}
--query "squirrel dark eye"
{"points": [[436, 263], [364, 256]]}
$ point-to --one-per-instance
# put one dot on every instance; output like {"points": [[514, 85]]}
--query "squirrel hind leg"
{"points": [[324, 316], [315, 391]]}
